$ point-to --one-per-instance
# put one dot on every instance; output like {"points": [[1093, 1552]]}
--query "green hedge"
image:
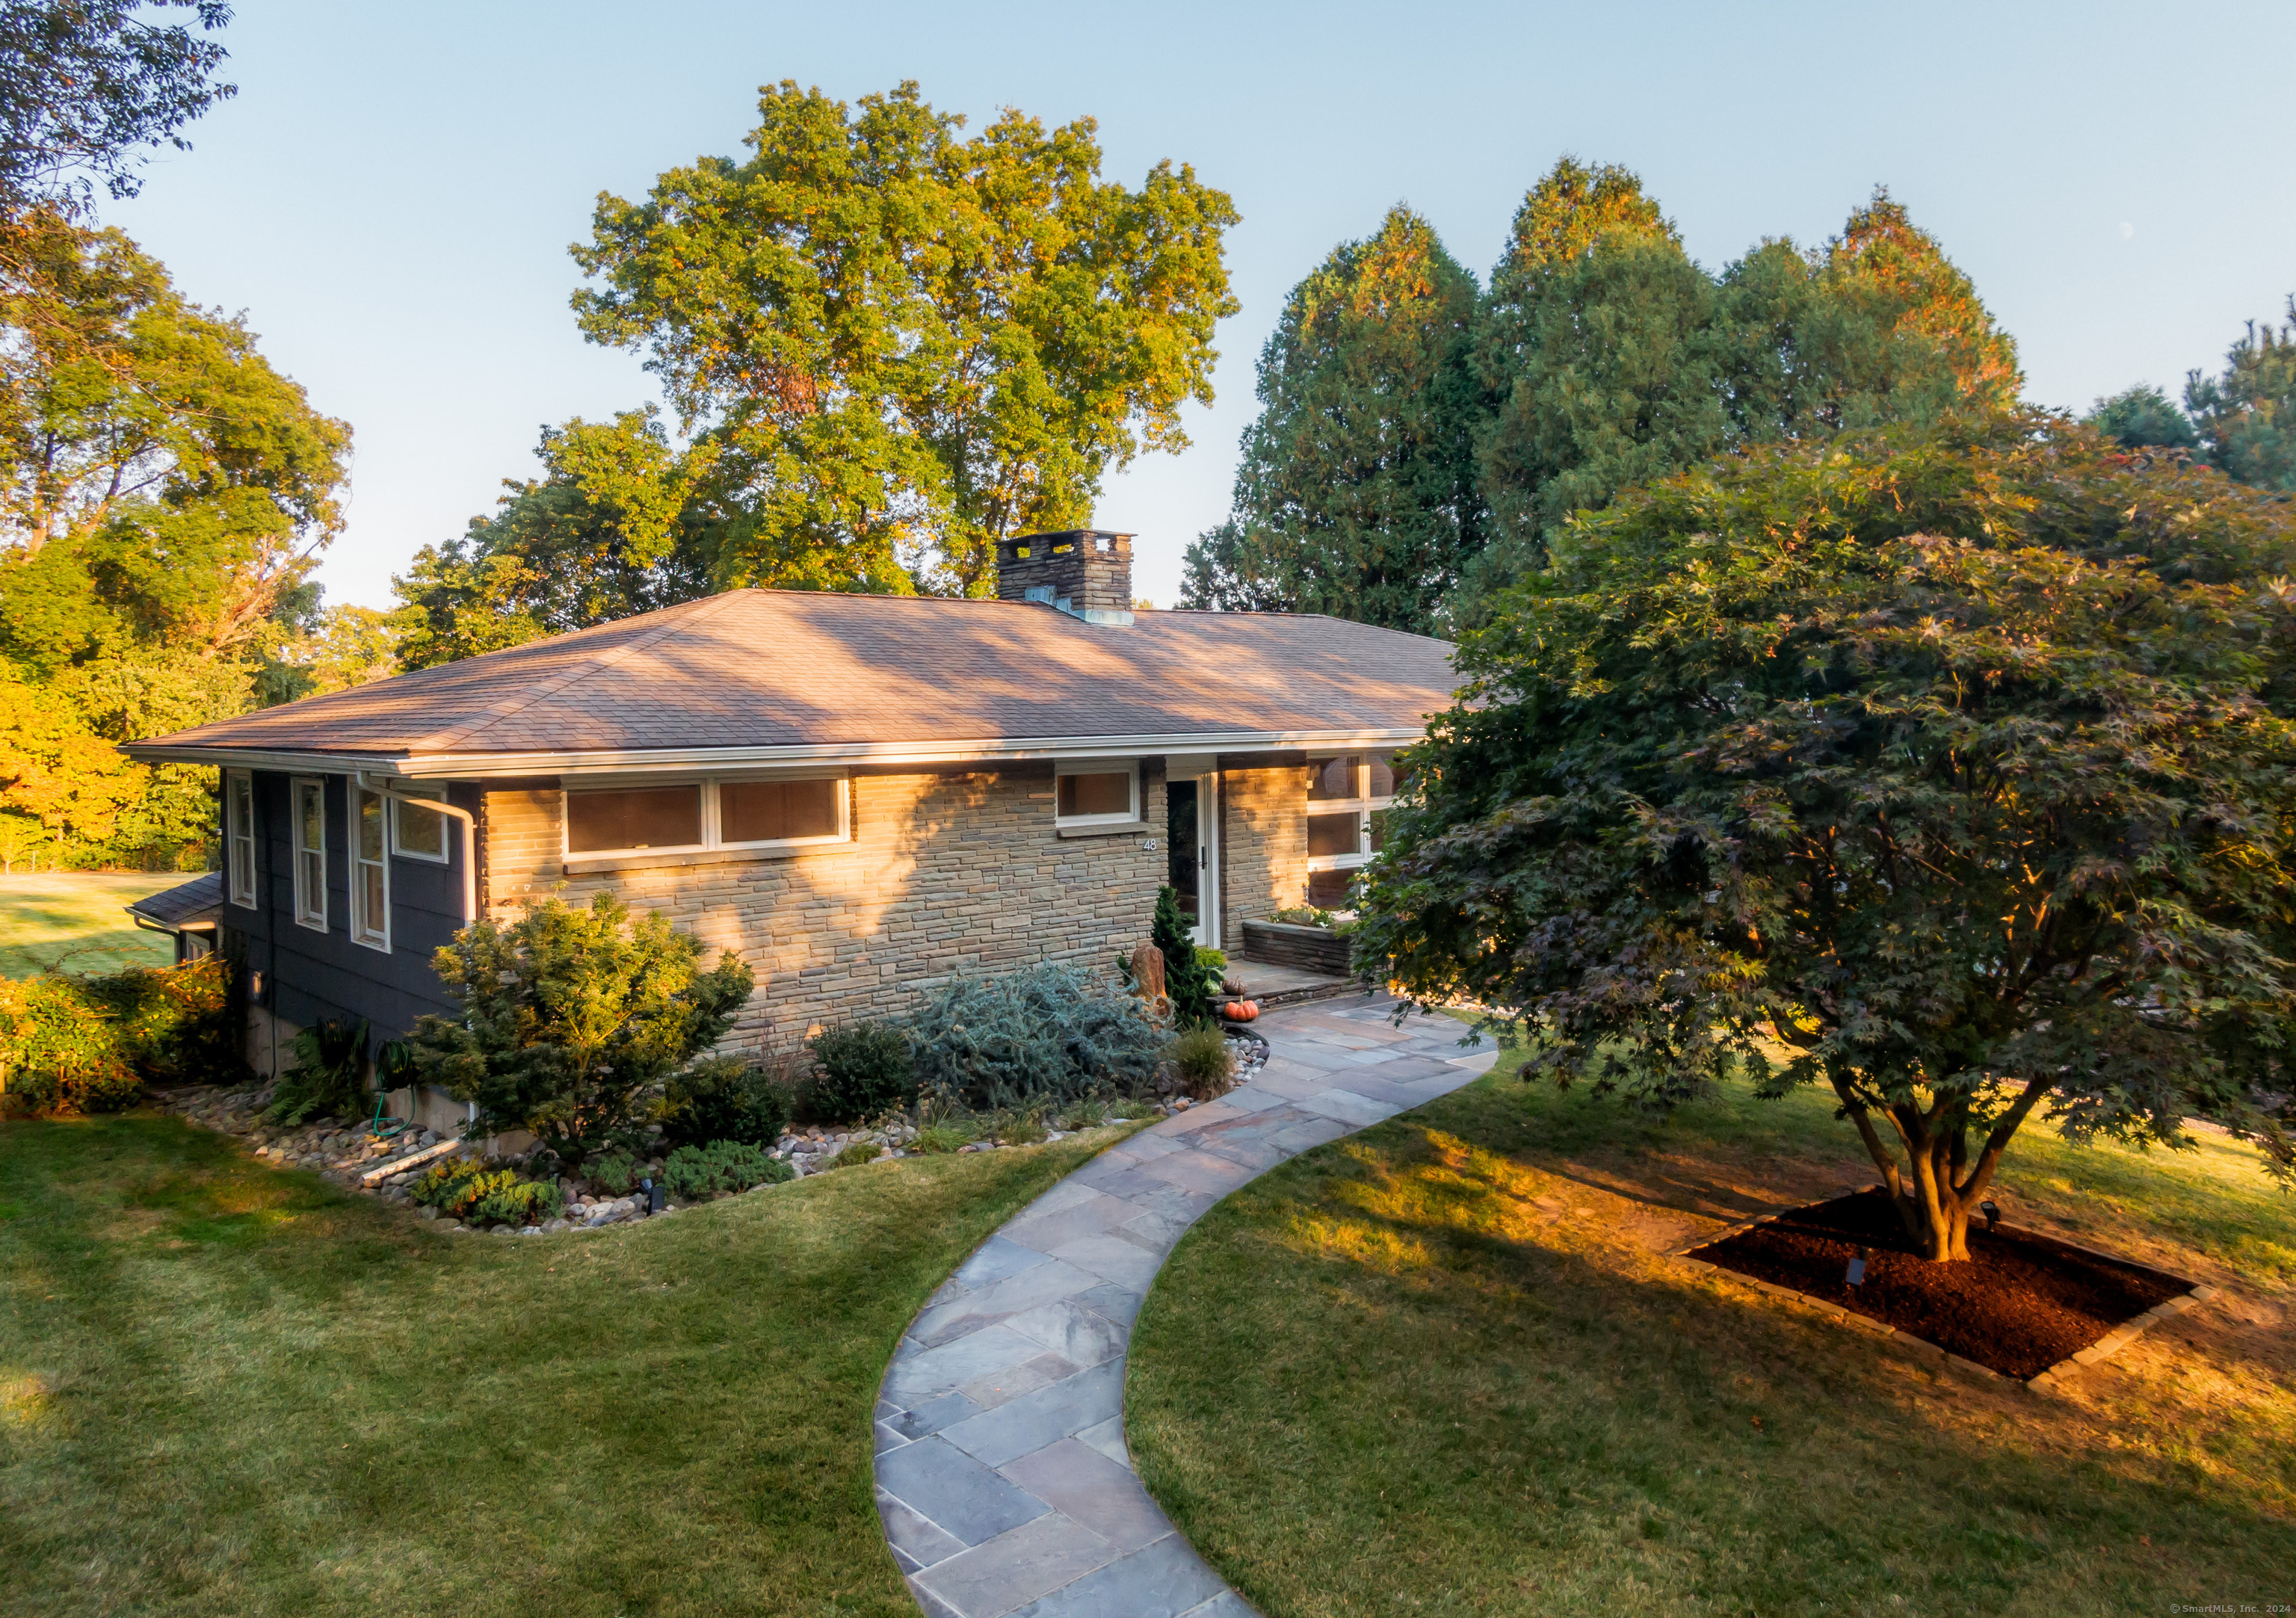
{"points": [[87, 1045]]}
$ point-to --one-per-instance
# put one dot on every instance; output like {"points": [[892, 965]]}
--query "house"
{"points": [[863, 794]]}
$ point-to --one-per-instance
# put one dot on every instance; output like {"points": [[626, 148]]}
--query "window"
{"points": [[417, 832], [1347, 799], [779, 811], [695, 815], [239, 836], [309, 797], [1095, 795], [370, 871]]}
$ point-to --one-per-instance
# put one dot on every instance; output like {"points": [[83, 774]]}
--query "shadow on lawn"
{"points": [[1419, 1363]]}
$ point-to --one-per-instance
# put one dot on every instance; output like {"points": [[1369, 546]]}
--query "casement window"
{"points": [[1096, 794], [1347, 799], [370, 869], [417, 832], [694, 816], [308, 797], [239, 836]]}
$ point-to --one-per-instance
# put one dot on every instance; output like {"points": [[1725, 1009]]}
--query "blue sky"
{"points": [[390, 198]]}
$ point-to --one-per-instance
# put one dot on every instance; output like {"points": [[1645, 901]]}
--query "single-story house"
{"points": [[862, 794]]}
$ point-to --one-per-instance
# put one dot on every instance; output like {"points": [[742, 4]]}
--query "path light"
{"points": [[1992, 1212], [655, 1198], [1858, 1269]]}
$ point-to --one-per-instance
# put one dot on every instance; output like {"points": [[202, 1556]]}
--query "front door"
{"points": [[1192, 820]]}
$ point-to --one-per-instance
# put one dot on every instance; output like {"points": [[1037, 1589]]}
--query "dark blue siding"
{"points": [[312, 975]]}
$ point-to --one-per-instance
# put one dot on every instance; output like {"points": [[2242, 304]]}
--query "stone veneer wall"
{"points": [[1264, 845], [945, 872]]}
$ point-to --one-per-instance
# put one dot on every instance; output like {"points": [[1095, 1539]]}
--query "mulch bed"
{"points": [[2021, 1303]]}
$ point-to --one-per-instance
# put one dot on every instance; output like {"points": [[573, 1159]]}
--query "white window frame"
{"points": [[712, 841], [311, 906], [239, 837], [398, 849], [1129, 768], [364, 928], [1362, 805]]}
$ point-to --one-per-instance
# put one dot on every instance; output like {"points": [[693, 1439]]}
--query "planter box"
{"points": [[1287, 944]]}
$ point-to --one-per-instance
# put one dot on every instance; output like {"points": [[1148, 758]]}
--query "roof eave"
{"points": [[607, 761]]}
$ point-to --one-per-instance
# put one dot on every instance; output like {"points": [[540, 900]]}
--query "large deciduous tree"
{"points": [[163, 494], [1356, 493], [1951, 770], [617, 524], [89, 87], [901, 345]]}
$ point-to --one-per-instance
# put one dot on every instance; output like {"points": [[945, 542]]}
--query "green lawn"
{"points": [[228, 1390], [75, 920], [1442, 1367]]}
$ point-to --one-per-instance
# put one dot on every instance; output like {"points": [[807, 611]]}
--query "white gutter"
{"points": [[470, 836], [983, 750]]}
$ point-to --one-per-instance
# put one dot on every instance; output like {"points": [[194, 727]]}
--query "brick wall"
{"points": [[1264, 845], [945, 874]]}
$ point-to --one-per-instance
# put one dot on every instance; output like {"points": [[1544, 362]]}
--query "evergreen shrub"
{"points": [[1047, 1034], [860, 1071], [616, 1173], [722, 1165], [725, 1098], [465, 1188]]}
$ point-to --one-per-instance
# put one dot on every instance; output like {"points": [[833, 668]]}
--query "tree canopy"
{"points": [[1413, 452], [1357, 495], [89, 87], [617, 524], [898, 345], [2246, 416], [164, 493], [1949, 768]]}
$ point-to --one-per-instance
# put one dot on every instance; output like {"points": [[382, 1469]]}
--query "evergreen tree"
{"points": [[2247, 416], [2144, 417], [1357, 492]]}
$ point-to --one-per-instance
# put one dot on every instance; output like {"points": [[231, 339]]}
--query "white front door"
{"points": [[1192, 834]]}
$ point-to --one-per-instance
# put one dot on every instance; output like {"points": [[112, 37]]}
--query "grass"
{"points": [[1442, 1367], [74, 921], [226, 1389]]}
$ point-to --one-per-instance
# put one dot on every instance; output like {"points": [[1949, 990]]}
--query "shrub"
{"points": [[722, 1165], [616, 1173], [725, 1098], [325, 1078], [939, 1138], [1213, 961], [1187, 978], [853, 1156], [466, 1188], [1049, 1031], [86, 1044], [861, 1070], [569, 1017], [1204, 1061]]}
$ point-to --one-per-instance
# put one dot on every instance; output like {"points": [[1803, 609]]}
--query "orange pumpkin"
{"points": [[1241, 1011]]}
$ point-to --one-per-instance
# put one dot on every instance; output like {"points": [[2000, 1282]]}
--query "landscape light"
{"points": [[1992, 1212]]}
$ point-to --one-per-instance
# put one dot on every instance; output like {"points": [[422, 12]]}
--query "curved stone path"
{"points": [[1002, 1474]]}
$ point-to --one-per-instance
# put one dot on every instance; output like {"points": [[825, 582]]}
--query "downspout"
{"points": [[470, 836]]}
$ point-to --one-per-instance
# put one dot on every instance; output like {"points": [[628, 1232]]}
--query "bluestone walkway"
{"points": [[1002, 1472]]}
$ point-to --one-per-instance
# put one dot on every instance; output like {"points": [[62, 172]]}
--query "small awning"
{"points": [[196, 907]]}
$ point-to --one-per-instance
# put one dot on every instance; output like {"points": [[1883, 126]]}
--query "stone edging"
{"points": [[2049, 1381]]}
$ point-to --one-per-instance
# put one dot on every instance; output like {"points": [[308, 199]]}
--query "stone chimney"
{"points": [[1083, 572]]}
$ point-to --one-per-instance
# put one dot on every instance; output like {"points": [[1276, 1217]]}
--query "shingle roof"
{"points": [[197, 903], [767, 669]]}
